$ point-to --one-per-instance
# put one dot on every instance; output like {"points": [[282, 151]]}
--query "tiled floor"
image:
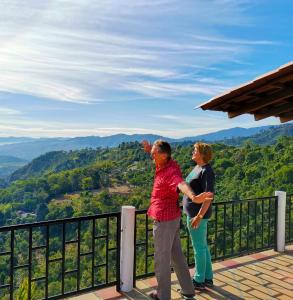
{"points": [[266, 275]]}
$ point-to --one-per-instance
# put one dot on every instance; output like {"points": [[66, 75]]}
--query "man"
{"points": [[165, 211]]}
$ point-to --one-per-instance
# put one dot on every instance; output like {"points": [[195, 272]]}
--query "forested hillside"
{"points": [[64, 184], [54, 162]]}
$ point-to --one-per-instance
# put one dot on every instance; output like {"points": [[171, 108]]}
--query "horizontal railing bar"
{"points": [[55, 259], [39, 247], [20, 267], [71, 242], [70, 272], [5, 253], [86, 253], [101, 265], [244, 200], [141, 211], [59, 221], [107, 215], [39, 278], [100, 237], [4, 286], [140, 244]]}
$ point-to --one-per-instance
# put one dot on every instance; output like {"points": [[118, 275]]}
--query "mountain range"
{"points": [[29, 148], [16, 152]]}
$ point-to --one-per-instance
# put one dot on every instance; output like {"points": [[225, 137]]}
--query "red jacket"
{"points": [[164, 200]]}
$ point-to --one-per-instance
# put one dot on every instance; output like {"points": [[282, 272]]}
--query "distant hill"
{"points": [[9, 164], [227, 134], [14, 140], [32, 148], [7, 159], [264, 137], [54, 162], [29, 148]]}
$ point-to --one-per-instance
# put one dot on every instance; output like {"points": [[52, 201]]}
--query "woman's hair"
{"points": [[163, 147], [205, 151]]}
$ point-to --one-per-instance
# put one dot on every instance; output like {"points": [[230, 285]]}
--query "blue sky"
{"points": [[79, 67]]}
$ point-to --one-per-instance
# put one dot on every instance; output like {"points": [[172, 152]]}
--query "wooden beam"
{"points": [[287, 107], [258, 104], [278, 85], [286, 117]]}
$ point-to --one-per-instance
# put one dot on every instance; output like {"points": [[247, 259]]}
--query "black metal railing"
{"points": [[236, 228], [289, 219], [57, 259], [62, 258]]}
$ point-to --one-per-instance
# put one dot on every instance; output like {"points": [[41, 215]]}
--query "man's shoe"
{"points": [[154, 295], [200, 286], [187, 296], [209, 283]]}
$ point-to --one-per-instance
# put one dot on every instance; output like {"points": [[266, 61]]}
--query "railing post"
{"points": [[127, 248], [281, 217]]}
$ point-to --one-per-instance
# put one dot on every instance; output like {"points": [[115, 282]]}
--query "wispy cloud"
{"points": [[8, 111], [59, 129], [213, 121], [167, 117], [59, 59], [219, 40], [85, 51], [160, 89]]}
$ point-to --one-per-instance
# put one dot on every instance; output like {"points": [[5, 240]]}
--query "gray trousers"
{"points": [[168, 252]]}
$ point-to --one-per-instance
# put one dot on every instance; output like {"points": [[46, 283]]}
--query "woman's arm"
{"points": [[208, 181], [204, 207]]}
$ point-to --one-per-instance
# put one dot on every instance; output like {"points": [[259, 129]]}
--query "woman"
{"points": [[201, 179]]}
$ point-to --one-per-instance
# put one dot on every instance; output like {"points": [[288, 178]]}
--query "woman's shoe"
{"points": [[209, 283], [198, 285]]}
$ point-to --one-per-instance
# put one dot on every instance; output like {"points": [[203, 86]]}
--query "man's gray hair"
{"points": [[163, 147]]}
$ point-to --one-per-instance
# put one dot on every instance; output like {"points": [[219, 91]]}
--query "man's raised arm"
{"points": [[147, 146]]}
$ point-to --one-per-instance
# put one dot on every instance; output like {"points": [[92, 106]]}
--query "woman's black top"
{"points": [[201, 179]]}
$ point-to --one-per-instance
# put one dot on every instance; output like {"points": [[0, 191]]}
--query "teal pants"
{"points": [[203, 262]]}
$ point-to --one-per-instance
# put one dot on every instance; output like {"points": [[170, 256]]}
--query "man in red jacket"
{"points": [[165, 211]]}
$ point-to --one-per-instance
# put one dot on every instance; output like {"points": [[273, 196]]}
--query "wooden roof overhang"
{"points": [[268, 95]]}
